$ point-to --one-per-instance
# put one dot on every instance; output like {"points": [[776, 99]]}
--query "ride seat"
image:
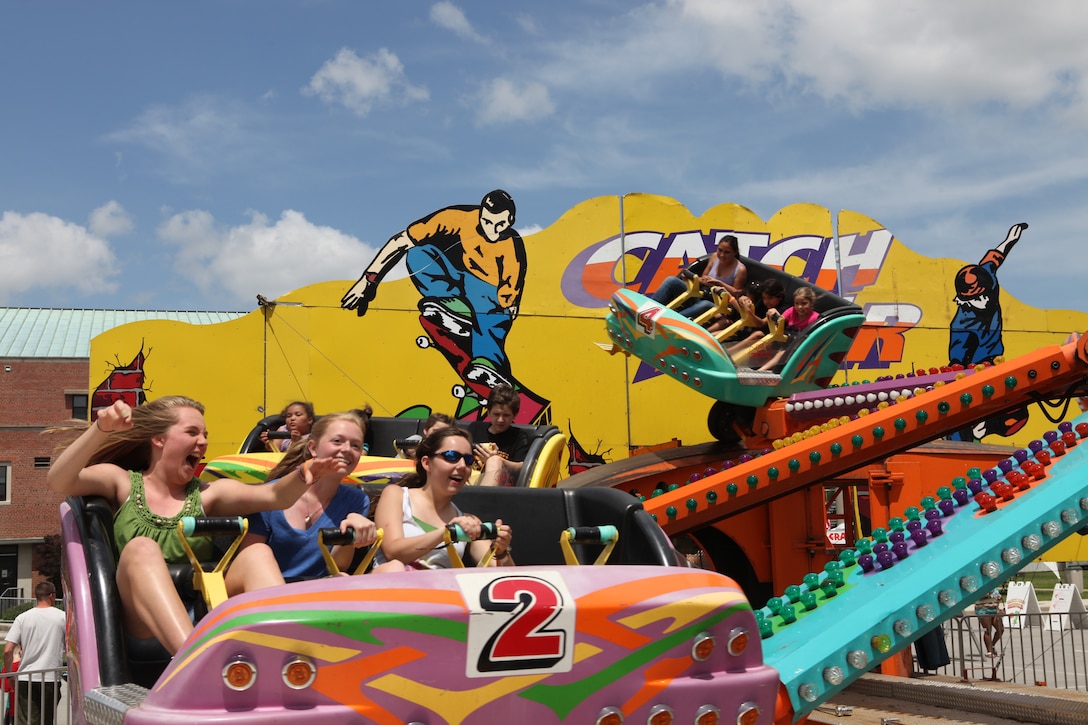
{"points": [[538, 517], [386, 430], [539, 435], [123, 658]]}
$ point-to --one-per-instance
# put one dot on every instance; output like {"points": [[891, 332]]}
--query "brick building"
{"points": [[44, 378]]}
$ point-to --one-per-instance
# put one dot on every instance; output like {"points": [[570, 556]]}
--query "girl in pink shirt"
{"points": [[798, 318], [803, 313]]}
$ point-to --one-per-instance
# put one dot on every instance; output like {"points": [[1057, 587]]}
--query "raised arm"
{"points": [[227, 497], [70, 474], [1011, 238]]}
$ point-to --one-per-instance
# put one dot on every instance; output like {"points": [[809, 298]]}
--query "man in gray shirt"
{"points": [[39, 633]]}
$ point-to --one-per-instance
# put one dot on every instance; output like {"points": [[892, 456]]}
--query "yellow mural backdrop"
{"points": [[305, 346]]}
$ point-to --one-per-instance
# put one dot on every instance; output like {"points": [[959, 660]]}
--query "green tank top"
{"points": [[135, 519]]}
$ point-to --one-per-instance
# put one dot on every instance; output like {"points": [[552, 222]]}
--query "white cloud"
{"points": [[39, 251], [199, 138], [503, 101], [180, 129], [261, 257], [861, 54], [195, 232], [941, 168], [360, 83], [452, 18], [641, 51], [950, 54], [110, 220], [602, 155], [528, 24]]}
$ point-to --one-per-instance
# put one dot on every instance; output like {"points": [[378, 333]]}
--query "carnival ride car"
{"points": [[381, 465], [545, 641], [638, 638], [684, 350]]}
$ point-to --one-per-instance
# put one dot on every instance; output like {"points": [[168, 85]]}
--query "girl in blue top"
{"points": [[292, 533]]}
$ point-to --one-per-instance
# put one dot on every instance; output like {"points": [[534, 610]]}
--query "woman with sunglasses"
{"points": [[414, 515]]}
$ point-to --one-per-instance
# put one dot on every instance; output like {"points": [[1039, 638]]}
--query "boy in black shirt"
{"points": [[499, 447]]}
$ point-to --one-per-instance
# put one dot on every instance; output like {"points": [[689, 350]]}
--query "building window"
{"points": [[5, 483], [78, 403]]}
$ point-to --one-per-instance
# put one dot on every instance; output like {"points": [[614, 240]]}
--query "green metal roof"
{"points": [[35, 332]]}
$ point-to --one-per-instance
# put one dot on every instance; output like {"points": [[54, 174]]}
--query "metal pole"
{"points": [[626, 358]]}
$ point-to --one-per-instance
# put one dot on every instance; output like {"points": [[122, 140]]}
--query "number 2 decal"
{"points": [[525, 640], [518, 623]]}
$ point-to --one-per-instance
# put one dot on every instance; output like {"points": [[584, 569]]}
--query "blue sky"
{"points": [[192, 155]]}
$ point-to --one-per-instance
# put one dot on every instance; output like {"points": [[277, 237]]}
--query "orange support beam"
{"points": [[895, 428]]}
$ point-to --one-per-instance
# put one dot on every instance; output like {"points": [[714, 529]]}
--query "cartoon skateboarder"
{"points": [[974, 335], [468, 264]]}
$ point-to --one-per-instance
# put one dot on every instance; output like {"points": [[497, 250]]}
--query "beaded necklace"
{"points": [[190, 507]]}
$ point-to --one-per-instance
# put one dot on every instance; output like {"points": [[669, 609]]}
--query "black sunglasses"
{"points": [[454, 456]]}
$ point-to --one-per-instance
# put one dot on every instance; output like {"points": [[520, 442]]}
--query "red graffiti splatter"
{"points": [[125, 382], [581, 459]]}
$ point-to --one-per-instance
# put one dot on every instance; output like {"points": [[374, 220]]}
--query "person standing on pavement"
{"points": [[39, 634], [991, 618]]}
